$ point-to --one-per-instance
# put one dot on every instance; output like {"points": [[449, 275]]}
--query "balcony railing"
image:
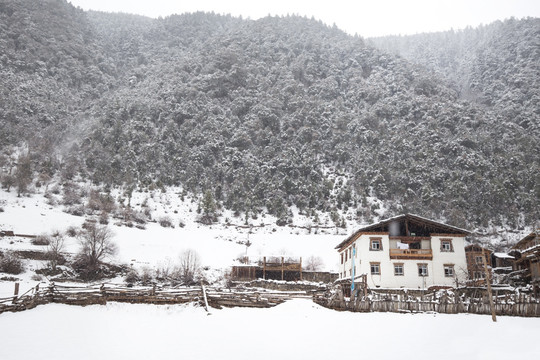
{"points": [[415, 254]]}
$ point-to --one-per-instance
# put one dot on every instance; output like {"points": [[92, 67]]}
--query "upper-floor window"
{"points": [[446, 245], [375, 244], [479, 259], [346, 254], [342, 258]]}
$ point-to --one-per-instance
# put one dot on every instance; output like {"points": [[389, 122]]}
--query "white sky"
{"points": [[367, 18]]}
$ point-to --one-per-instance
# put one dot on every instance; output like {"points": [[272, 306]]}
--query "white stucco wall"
{"points": [[410, 279]]}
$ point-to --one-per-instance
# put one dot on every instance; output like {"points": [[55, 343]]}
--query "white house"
{"points": [[406, 251]]}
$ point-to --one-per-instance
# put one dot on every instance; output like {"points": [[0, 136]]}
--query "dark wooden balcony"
{"points": [[411, 254]]}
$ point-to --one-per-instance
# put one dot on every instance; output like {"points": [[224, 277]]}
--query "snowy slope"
{"points": [[218, 245]]}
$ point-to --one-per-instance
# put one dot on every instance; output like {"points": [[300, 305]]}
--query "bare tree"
{"points": [[96, 244], [190, 266], [314, 263], [55, 249]]}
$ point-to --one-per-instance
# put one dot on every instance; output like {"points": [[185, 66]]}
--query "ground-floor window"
{"points": [[449, 270], [422, 270], [398, 270], [375, 268]]}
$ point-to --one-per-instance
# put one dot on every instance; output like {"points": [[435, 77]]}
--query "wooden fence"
{"points": [[509, 305], [101, 294]]}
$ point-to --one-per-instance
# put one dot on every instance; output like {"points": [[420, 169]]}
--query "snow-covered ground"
{"points": [[296, 329]]}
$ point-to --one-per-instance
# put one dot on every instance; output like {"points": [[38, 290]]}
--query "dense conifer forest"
{"points": [[278, 112]]}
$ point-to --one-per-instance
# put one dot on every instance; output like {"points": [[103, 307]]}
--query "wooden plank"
{"points": [[282, 269]]}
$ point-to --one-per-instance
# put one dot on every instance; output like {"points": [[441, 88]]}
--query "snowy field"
{"points": [[296, 329], [156, 247]]}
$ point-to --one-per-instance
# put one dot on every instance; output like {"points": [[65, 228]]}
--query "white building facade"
{"points": [[405, 252]]}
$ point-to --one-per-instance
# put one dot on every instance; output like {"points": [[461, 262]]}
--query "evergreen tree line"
{"points": [[270, 113]]}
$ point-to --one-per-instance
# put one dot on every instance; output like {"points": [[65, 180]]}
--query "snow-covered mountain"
{"points": [[277, 117]]}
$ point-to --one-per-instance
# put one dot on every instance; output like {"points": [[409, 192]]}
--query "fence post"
{"points": [[51, 292], [15, 293]]}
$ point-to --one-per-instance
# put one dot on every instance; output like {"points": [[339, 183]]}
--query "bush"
{"points": [[11, 264], [41, 240], [132, 277], [72, 231], [104, 218], [76, 210], [166, 221]]}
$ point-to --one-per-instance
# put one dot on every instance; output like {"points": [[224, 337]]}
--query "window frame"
{"points": [[423, 266], [399, 265], [377, 240], [373, 265], [448, 267], [450, 245]]}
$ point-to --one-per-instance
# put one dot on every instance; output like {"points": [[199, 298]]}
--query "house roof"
{"points": [[522, 244], [387, 226]]}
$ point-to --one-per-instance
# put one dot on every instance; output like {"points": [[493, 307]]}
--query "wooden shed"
{"points": [[269, 268]]}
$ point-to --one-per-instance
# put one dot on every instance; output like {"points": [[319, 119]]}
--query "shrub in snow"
{"points": [[104, 218], [76, 210], [166, 221], [11, 264], [72, 194], [181, 223], [132, 277], [100, 202], [139, 217], [72, 231], [41, 240]]}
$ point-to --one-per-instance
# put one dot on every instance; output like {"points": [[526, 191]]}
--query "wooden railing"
{"points": [[101, 294], [416, 254]]}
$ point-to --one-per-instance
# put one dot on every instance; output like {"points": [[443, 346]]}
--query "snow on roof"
{"points": [[502, 255], [399, 217]]}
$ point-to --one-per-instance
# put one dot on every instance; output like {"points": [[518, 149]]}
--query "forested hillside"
{"points": [[495, 65], [263, 115]]}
